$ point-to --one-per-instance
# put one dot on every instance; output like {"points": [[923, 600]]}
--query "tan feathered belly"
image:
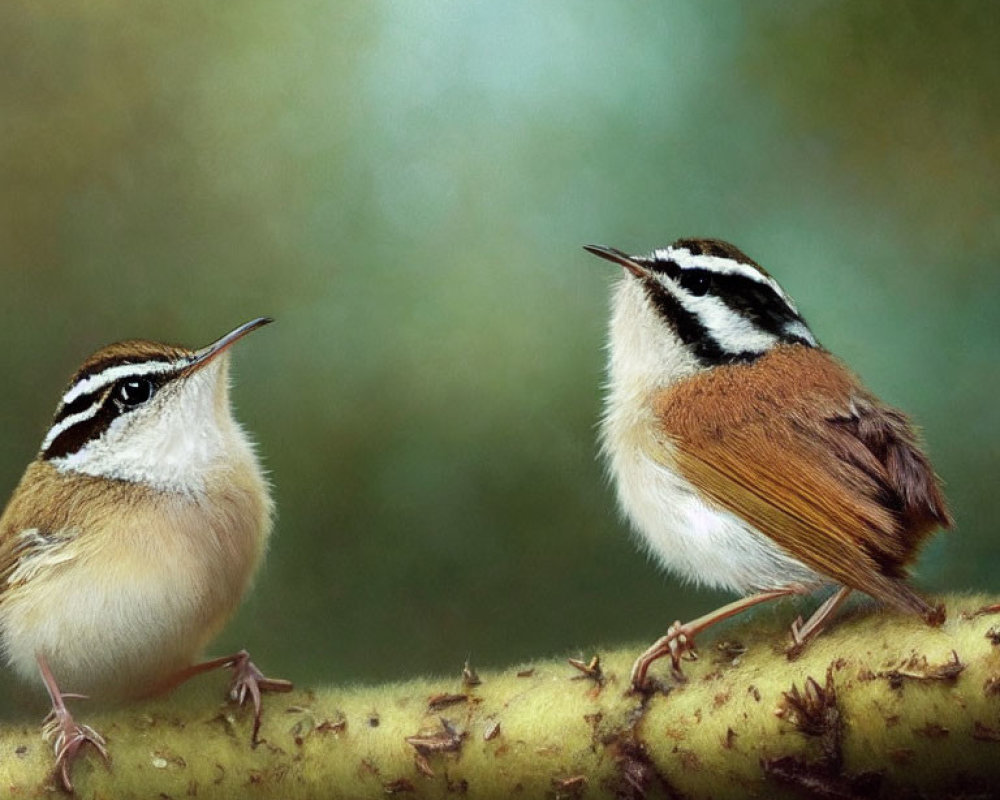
{"points": [[118, 610]]}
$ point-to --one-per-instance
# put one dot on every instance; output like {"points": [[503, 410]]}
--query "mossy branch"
{"points": [[879, 706]]}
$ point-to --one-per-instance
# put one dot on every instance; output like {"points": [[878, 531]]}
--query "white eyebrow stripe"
{"points": [[683, 258], [731, 331], [69, 422], [108, 376], [799, 329]]}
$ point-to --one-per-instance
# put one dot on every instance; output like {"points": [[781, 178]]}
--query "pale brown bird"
{"points": [[133, 535]]}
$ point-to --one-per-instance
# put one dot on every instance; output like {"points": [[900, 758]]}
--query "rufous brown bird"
{"points": [[746, 456]]}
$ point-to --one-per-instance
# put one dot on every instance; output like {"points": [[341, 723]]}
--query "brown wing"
{"points": [[37, 515], [794, 445], [880, 441], [9, 557], [11, 547]]}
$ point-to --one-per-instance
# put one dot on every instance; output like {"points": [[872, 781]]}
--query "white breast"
{"points": [[699, 543], [696, 541]]}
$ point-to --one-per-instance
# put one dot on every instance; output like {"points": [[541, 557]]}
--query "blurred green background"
{"points": [[406, 187]]}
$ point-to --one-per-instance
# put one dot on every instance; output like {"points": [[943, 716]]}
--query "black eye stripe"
{"points": [[110, 406], [696, 281], [691, 330], [753, 300], [76, 436], [661, 266], [84, 401], [756, 301]]}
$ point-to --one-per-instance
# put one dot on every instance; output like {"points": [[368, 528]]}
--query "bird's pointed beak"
{"points": [[207, 354], [617, 257]]}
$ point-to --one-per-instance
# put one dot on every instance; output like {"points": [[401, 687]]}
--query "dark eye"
{"points": [[695, 282], [135, 391]]}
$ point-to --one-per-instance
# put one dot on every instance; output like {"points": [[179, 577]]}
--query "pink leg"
{"points": [[803, 633], [680, 638], [248, 681], [60, 725]]}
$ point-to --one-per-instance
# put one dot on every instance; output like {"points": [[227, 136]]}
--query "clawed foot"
{"points": [[248, 681], [678, 643], [800, 638], [68, 739]]}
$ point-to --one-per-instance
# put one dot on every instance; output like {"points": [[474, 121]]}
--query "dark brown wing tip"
{"points": [[939, 508], [898, 594]]}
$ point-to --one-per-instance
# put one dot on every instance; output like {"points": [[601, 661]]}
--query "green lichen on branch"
{"points": [[880, 706]]}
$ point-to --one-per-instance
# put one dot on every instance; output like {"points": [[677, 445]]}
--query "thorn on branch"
{"points": [[338, 725], [448, 739], [590, 669], [438, 701], [492, 730], [729, 652], [470, 677], [916, 668], [814, 712]]}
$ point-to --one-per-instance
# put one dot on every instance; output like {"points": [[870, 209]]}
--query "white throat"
{"points": [[176, 445], [645, 355]]}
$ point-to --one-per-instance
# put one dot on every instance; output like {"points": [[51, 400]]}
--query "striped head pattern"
{"points": [[719, 304], [113, 382], [139, 410]]}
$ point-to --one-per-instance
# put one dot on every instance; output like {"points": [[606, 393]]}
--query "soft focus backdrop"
{"points": [[405, 187]]}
